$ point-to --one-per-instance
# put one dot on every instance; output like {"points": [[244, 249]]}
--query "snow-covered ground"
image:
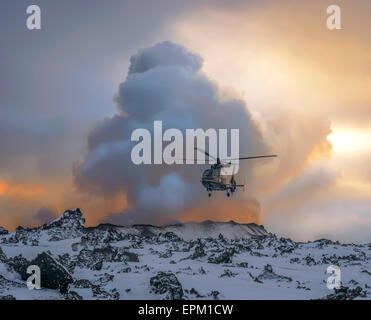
{"points": [[209, 260]]}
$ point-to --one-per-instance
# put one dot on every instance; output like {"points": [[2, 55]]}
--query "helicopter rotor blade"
{"points": [[255, 157], [205, 152], [181, 159]]}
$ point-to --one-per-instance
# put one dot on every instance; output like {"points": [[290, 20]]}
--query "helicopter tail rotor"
{"points": [[239, 185]]}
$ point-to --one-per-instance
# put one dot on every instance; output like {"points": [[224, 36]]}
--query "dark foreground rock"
{"points": [[53, 275], [167, 282], [7, 297], [345, 293], [3, 257], [224, 257], [269, 274]]}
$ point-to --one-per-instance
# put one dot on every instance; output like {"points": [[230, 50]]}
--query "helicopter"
{"points": [[213, 180]]}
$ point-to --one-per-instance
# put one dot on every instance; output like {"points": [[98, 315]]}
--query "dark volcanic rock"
{"points": [[69, 225], [295, 260], [20, 265], [101, 294], [201, 270], [196, 293], [98, 266], [345, 293], [309, 261], [320, 243], [3, 257], [243, 265], [53, 275], [94, 259], [166, 237], [215, 294], [86, 259], [269, 274], [286, 246], [66, 261], [367, 272], [72, 295], [224, 257], [82, 283], [3, 231], [228, 273], [5, 283], [167, 282], [72, 219], [104, 233], [199, 251], [7, 297], [123, 255], [165, 255], [104, 254]]}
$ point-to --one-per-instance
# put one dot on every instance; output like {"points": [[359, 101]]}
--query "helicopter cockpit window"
{"points": [[210, 174], [207, 173]]}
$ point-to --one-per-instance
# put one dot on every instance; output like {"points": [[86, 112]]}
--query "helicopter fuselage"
{"points": [[212, 180]]}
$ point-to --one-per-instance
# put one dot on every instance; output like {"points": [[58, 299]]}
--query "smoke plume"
{"points": [[165, 82]]}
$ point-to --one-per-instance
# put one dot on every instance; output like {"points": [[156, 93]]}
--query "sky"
{"points": [[71, 92]]}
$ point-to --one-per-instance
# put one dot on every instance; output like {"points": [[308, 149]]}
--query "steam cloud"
{"points": [[164, 82]]}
